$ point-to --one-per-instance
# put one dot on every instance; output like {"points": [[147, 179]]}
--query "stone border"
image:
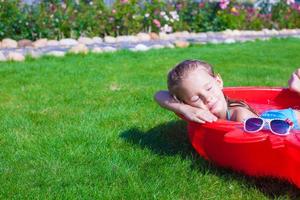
{"points": [[16, 51]]}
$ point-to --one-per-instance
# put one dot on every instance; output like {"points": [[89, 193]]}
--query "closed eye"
{"points": [[195, 98]]}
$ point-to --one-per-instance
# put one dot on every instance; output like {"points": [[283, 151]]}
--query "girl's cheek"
{"points": [[194, 104], [200, 104]]}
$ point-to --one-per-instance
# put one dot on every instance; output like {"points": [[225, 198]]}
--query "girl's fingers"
{"points": [[206, 117], [292, 80], [195, 119], [297, 72], [296, 75], [212, 117]]}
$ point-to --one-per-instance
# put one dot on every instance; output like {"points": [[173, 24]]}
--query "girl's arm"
{"points": [[165, 100], [294, 85], [240, 114], [294, 82]]}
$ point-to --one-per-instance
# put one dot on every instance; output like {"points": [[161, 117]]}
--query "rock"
{"points": [[260, 33], [157, 46], [109, 49], [40, 43], [97, 50], [154, 36], [24, 43], [85, 40], [9, 43], [79, 48], [110, 39], [165, 36], [292, 31], [68, 42], [14, 56], [244, 33], [193, 35], [267, 32], [284, 31], [169, 45], [56, 53], [236, 33], [252, 33], [297, 31], [215, 41], [227, 32], [201, 35], [243, 40], [52, 43], [127, 38], [181, 43], [143, 37], [97, 40], [229, 41], [210, 34], [141, 47], [256, 33], [183, 34], [2, 57], [34, 54], [274, 32]]}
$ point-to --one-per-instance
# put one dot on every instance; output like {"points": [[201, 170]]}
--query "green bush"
{"points": [[125, 18], [75, 18]]}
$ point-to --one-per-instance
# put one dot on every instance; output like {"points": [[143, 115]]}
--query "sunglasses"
{"points": [[276, 126]]}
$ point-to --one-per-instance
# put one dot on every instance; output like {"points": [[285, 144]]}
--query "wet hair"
{"points": [[181, 70]]}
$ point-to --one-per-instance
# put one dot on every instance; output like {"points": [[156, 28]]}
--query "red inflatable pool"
{"points": [[259, 154]]}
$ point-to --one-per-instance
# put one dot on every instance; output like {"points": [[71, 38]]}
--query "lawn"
{"points": [[86, 127]]}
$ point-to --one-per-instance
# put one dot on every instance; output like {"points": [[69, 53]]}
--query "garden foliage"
{"points": [[73, 18]]}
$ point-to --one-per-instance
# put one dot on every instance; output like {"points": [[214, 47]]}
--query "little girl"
{"points": [[195, 91]]}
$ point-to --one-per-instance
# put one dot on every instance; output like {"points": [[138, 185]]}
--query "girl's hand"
{"points": [[294, 82], [197, 114]]}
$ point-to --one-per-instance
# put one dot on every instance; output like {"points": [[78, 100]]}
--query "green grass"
{"points": [[86, 127]]}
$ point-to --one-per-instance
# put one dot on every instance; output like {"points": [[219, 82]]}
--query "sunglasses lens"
{"points": [[253, 124], [279, 126]]}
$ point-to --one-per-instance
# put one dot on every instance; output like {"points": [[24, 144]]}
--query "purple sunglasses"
{"points": [[277, 126]]}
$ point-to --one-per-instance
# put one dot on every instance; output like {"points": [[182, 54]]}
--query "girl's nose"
{"points": [[207, 98]]}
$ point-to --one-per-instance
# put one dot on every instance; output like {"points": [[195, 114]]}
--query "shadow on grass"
{"points": [[171, 139]]}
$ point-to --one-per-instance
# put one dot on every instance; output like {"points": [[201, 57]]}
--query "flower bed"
{"points": [[56, 20]]}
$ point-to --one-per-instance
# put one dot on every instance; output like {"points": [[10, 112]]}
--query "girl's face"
{"points": [[200, 89]]}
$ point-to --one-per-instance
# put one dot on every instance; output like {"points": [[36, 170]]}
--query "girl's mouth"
{"points": [[212, 106]]}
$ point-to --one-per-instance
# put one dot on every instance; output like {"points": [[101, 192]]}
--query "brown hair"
{"points": [[181, 70]]}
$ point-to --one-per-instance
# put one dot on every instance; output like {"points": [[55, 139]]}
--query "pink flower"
{"points": [[113, 11], [157, 23], [201, 5], [224, 3], [286, 17], [111, 19], [178, 6], [250, 11], [124, 1], [296, 6], [234, 11], [289, 2]]}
